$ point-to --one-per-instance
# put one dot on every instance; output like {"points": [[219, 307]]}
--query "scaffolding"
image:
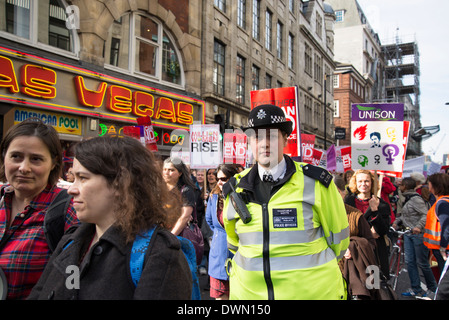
{"points": [[402, 71]]}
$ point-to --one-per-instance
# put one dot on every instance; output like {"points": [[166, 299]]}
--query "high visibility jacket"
{"points": [[290, 248], [432, 230]]}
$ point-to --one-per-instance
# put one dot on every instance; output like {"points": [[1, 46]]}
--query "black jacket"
{"points": [[379, 219], [105, 273]]}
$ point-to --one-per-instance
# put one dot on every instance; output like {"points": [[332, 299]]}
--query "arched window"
{"points": [[45, 22], [140, 45]]}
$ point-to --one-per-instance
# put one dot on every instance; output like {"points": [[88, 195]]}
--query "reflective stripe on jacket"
{"points": [[432, 230], [290, 248]]}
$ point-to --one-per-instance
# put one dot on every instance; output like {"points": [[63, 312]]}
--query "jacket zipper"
{"points": [[266, 251]]}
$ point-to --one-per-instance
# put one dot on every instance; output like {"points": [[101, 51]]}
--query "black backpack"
{"points": [[54, 219]]}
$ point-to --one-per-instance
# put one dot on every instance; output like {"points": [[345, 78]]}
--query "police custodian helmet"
{"points": [[268, 116]]}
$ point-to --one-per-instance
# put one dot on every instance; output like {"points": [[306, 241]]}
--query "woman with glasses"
{"points": [[219, 281]]}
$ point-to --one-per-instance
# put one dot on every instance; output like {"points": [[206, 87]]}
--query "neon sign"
{"points": [[41, 82], [163, 137]]}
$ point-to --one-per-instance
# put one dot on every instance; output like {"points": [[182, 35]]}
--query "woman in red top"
{"points": [[375, 210], [31, 162]]}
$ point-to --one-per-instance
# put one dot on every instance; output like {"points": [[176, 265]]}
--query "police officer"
{"points": [[297, 230]]}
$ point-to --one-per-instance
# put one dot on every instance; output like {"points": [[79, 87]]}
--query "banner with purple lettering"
{"points": [[377, 132]]}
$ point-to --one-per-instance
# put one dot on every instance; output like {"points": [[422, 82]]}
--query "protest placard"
{"points": [[205, 146], [307, 144], [234, 148], [345, 153], [377, 136]]}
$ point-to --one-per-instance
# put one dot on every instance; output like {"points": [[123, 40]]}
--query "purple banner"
{"points": [[377, 112]]}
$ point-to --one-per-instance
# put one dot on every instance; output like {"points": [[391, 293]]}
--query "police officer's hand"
{"points": [[374, 203]]}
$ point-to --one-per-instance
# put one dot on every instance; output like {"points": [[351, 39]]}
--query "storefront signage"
{"points": [[163, 137], [36, 81], [61, 122]]}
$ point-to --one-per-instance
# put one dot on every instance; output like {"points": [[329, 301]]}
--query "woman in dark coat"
{"points": [[118, 194], [375, 210]]}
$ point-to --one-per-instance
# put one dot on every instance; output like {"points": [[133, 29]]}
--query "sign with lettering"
{"points": [[377, 132], [54, 86], [286, 99], [235, 148], [63, 123], [205, 146], [308, 143]]}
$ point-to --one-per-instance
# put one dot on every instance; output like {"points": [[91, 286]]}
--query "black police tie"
{"points": [[267, 177]]}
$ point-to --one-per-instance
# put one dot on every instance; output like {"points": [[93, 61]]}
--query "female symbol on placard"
{"points": [[390, 151]]}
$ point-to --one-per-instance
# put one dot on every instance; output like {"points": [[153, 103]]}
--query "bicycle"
{"points": [[397, 256]]}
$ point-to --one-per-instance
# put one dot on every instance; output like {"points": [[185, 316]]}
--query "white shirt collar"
{"points": [[278, 171]]}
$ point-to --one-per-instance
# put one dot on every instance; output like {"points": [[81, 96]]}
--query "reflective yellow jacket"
{"points": [[290, 248]]}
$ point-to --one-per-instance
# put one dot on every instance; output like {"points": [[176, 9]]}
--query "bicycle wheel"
{"points": [[395, 259]]}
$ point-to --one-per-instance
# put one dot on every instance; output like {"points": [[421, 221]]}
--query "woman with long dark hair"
{"points": [[219, 280], [177, 178], [119, 194]]}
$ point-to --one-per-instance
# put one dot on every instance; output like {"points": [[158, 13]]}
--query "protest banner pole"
{"points": [[381, 178]]}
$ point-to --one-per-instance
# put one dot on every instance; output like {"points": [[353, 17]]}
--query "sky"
{"points": [[427, 23]]}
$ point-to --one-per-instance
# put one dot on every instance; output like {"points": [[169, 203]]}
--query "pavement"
{"points": [[403, 284]]}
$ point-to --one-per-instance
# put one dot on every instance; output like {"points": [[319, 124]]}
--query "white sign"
{"points": [[205, 146], [413, 165], [377, 132]]}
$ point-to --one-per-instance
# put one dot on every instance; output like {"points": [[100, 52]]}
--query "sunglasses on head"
{"points": [[223, 179]]}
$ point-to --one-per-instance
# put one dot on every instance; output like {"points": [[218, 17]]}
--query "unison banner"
{"points": [[377, 136]]}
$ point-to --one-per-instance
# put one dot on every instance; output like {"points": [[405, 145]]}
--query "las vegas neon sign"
{"points": [[40, 82]]}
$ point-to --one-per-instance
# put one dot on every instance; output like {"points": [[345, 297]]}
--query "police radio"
{"points": [[239, 205]]}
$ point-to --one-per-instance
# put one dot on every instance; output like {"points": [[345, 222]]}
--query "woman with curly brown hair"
{"points": [[375, 210], [118, 193]]}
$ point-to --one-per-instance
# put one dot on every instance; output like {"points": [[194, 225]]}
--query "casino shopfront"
{"points": [[80, 103]]}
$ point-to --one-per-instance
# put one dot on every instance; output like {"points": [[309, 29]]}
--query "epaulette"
{"points": [[318, 173]]}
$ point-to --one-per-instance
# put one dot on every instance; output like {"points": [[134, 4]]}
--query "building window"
{"points": [[319, 25], [268, 81], [240, 80], [268, 30], [220, 4], [291, 48], [241, 13], [318, 68], [256, 19], [308, 109], [336, 108], [336, 81], [42, 22], [340, 15], [115, 50], [255, 77], [318, 114], [279, 39], [308, 59], [291, 6], [143, 48], [219, 68]]}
